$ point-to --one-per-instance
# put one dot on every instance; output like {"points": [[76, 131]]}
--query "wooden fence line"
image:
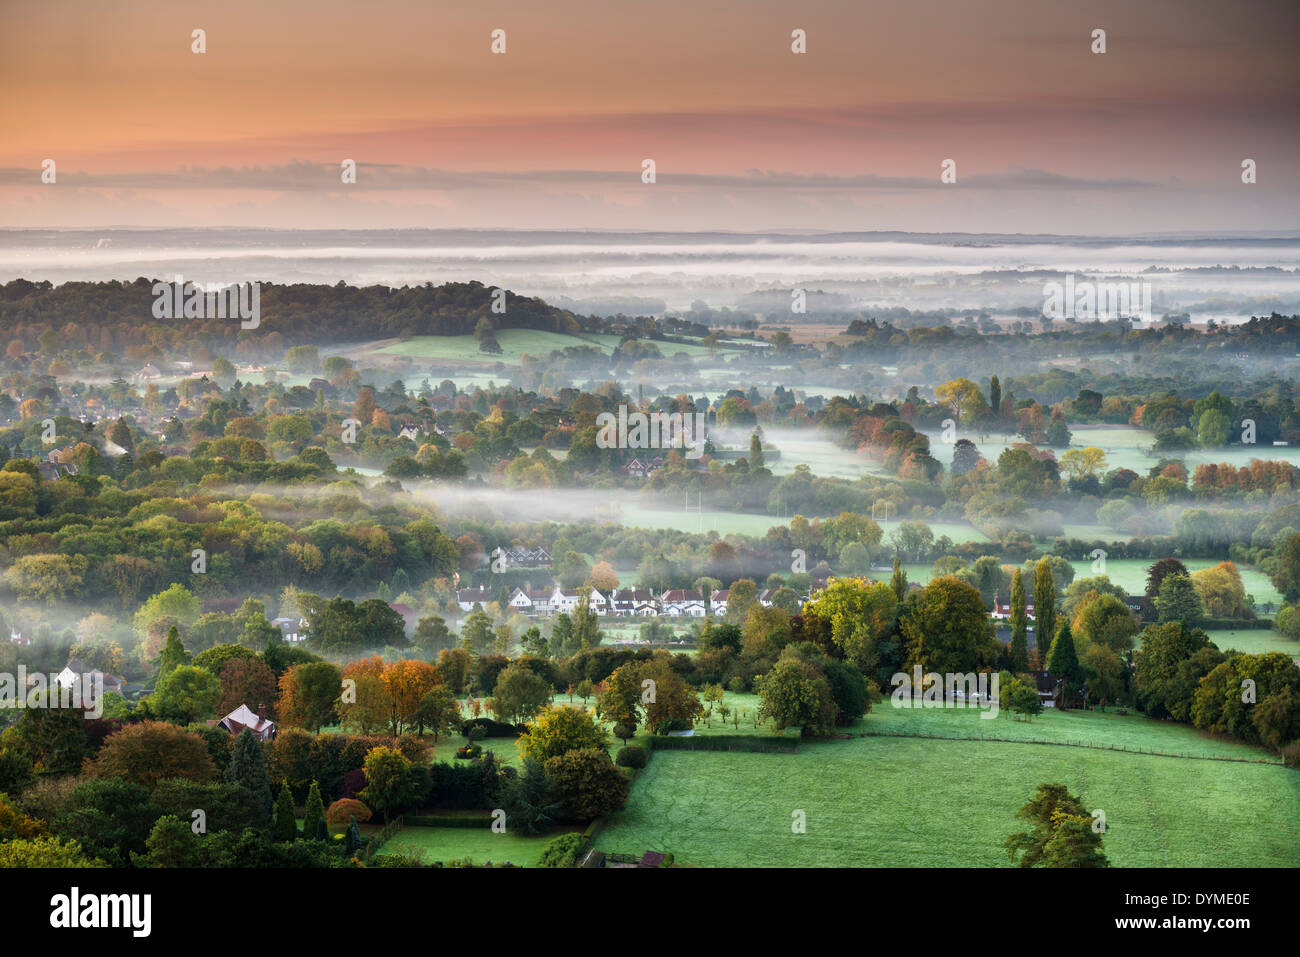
{"points": [[376, 842], [1070, 744]]}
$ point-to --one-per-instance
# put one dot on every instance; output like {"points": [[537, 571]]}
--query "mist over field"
{"points": [[650, 273], [665, 436]]}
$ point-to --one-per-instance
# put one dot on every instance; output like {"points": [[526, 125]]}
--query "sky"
{"points": [[746, 135]]}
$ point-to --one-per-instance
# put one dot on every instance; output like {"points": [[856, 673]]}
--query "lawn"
{"points": [[898, 802], [480, 844]]}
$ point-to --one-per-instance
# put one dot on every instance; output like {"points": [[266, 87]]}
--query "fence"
{"points": [[1069, 744], [449, 820], [376, 842], [726, 742]]}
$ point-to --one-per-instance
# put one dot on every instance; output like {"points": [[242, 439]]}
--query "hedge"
{"points": [[449, 820], [725, 742], [493, 729]]}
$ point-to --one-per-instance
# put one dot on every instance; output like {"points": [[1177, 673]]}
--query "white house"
{"points": [[683, 602], [567, 599], [74, 671], [467, 598], [292, 630], [632, 602]]}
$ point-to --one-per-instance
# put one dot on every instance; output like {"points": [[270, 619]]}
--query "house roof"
{"points": [[243, 717]]}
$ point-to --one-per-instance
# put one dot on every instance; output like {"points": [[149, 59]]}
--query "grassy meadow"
{"points": [[910, 802]]}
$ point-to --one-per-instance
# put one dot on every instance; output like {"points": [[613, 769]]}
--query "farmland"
{"points": [[900, 802]]}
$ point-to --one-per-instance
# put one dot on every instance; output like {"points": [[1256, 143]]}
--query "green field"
{"points": [[1097, 728], [480, 844], [1255, 641], [1124, 447], [1131, 574], [901, 802], [515, 343]]}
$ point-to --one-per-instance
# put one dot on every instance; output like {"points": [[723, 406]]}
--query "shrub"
{"points": [[631, 756], [414, 748], [487, 728], [562, 851], [587, 784], [737, 685], [1291, 754], [672, 724], [469, 752], [354, 782], [561, 729], [344, 808], [152, 750]]}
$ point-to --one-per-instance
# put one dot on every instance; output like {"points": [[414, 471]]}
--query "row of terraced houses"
{"points": [[618, 603]]}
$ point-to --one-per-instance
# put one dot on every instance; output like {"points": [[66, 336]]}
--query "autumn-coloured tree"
{"points": [[559, 729], [344, 808], [248, 681], [669, 697], [603, 576], [407, 681], [453, 665], [152, 750], [309, 695], [619, 701], [366, 706]]}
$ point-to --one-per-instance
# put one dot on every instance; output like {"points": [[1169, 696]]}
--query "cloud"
{"points": [[298, 175]]}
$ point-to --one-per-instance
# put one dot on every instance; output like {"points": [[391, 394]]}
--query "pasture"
{"points": [[909, 802]]}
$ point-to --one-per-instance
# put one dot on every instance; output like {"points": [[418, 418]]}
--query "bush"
{"points": [[344, 808], [469, 752], [487, 728], [586, 784], [413, 748], [152, 750], [671, 725], [737, 685], [631, 756], [354, 782], [460, 786], [1291, 754], [562, 851]]}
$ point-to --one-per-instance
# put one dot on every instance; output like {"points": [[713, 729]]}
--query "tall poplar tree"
{"points": [[1044, 609], [1019, 624], [899, 581]]}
